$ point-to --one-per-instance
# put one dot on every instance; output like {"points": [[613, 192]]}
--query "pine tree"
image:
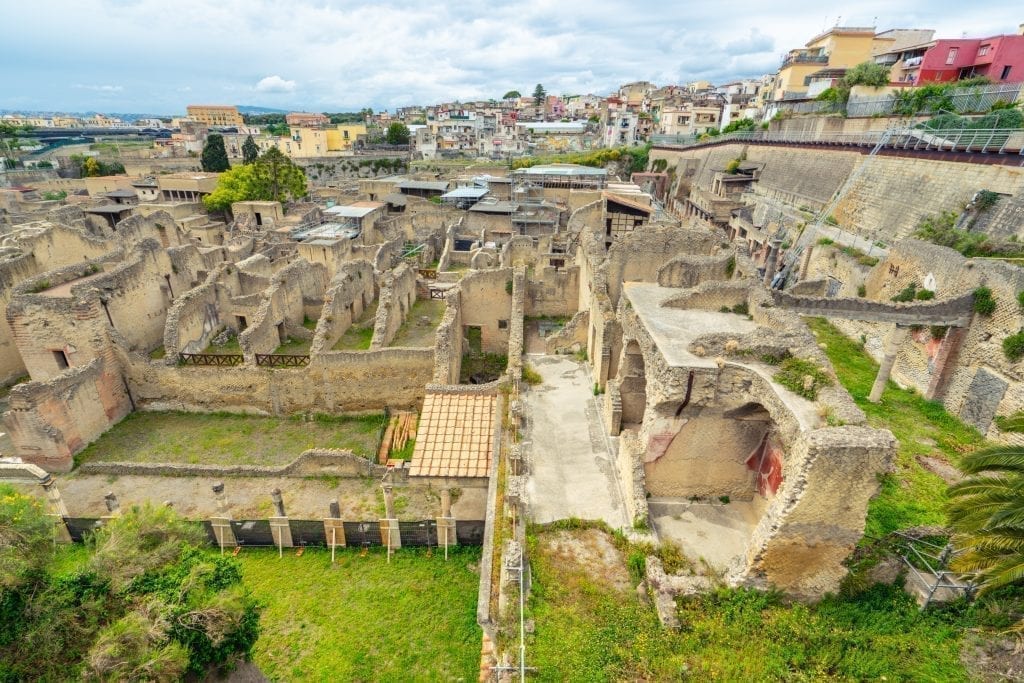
{"points": [[249, 151], [215, 157], [538, 94]]}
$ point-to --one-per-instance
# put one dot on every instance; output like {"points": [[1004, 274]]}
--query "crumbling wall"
{"points": [[553, 291], [334, 382], [486, 302], [448, 341], [283, 309], [641, 255], [689, 270], [397, 294], [350, 292], [50, 421]]}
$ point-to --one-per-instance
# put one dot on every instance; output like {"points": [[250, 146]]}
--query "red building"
{"points": [[999, 59]]}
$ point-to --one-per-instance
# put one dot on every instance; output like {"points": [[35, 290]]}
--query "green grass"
{"points": [[405, 452], [364, 619], [359, 335], [295, 347], [489, 366], [912, 495], [229, 347], [414, 334], [589, 630], [228, 439], [158, 353]]}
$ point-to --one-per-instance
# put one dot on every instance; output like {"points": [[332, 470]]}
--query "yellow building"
{"points": [[839, 48], [305, 142], [215, 114]]}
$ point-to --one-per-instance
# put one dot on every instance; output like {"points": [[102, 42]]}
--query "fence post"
{"points": [[221, 523], [280, 528]]}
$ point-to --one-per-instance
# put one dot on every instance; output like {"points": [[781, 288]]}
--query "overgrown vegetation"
{"points": [[1013, 346], [480, 368], [590, 627], [531, 376], [984, 302], [911, 495], [941, 229], [142, 601], [227, 438], [600, 158], [866, 73], [272, 177], [802, 377]]}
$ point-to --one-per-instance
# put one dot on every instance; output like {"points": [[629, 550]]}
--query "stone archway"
{"points": [[633, 386]]}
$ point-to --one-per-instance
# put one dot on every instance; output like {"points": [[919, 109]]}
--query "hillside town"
{"points": [[722, 381]]}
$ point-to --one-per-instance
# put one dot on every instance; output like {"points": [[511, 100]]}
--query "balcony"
{"points": [[804, 59]]}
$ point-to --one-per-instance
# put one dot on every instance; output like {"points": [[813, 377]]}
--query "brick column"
{"points": [[945, 362], [892, 348]]}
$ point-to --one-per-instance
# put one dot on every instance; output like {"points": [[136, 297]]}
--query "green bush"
{"points": [[924, 295], [1013, 346], [826, 241], [793, 375], [862, 290], [984, 303], [1020, 299], [906, 294]]}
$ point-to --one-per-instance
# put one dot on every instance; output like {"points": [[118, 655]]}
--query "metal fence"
{"points": [[988, 140], [281, 360], [310, 532], [215, 359]]}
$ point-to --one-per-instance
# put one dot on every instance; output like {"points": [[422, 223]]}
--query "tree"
{"points": [[277, 177], [9, 141], [867, 73], [249, 150], [986, 512], [511, 95], [214, 157], [397, 134], [538, 94], [272, 177]]}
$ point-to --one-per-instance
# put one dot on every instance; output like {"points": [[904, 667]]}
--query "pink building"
{"points": [[999, 59]]}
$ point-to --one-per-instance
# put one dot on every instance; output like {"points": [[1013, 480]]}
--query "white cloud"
{"points": [[275, 84], [342, 55], [100, 88]]}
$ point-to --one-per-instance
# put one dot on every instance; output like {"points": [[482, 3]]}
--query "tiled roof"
{"points": [[455, 436]]}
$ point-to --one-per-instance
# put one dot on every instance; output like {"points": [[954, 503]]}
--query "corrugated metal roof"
{"points": [[562, 169], [439, 185], [351, 211], [466, 193]]}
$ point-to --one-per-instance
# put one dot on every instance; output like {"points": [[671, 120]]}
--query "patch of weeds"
{"points": [[802, 377], [531, 376], [724, 500], [984, 302]]}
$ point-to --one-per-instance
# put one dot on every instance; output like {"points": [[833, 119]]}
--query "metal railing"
{"points": [[214, 359], [986, 140]]}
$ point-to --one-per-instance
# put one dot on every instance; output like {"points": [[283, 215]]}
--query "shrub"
{"points": [[906, 294], [732, 167], [730, 267], [925, 295], [1013, 346], [531, 376], [862, 290], [938, 331], [826, 241], [794, 374], [741, 309], [984, 303], [1020, 299]]}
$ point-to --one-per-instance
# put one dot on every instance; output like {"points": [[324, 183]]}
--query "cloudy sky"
{"points": [[330, 55]]}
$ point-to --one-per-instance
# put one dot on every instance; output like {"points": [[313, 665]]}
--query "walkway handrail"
{"points": [[985, 140]]}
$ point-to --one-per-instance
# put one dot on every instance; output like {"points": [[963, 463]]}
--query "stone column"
{"points": [[113, 507], [60, 512], [892, 348], [280, 529], [771, 262], [446, 522], [334, 529], [221, 522], [389, 532]]}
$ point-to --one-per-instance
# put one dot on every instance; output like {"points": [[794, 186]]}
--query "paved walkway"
{"points": [[571, 470]]}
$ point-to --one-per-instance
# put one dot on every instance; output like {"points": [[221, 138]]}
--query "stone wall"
{"points": [[689, 270], [448, 341], [486, 302], [397, 295], [350, 292], [310, 463], [283, 308], [334, 382], [553, 291]]}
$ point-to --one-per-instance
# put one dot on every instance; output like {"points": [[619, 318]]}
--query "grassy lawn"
{"points": [[365, 619], [229, 347], [589, 628], [295, 347], [224, 438], [912, 495], [413, 333], [359, 335]]}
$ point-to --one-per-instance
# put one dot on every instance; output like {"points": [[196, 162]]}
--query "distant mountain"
{"points": [[247, 109]]}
